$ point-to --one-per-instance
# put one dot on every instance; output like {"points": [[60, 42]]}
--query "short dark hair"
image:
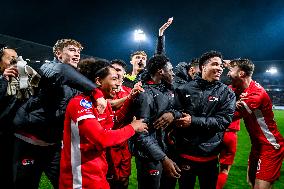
{"points": [[94, 67], [119, 62], [194, 62], [2, 48], [206, 56], [156, 62], [245, 65]]}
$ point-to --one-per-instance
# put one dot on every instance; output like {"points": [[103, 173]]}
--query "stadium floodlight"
{"points": [[139, 35], [272, 70]]}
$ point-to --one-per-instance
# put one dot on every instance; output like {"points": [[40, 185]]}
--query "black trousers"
{"points": [[150, 175], [207, 173], [30, 161], [6, 156]]}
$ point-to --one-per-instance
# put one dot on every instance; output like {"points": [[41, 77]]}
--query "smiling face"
{"points": [[212, 69], [69, 55], [235, 74], [109, 84]]}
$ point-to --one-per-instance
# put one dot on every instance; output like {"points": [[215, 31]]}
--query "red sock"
{"points": [[222, 179]]}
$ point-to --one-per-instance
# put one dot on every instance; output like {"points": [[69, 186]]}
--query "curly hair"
{"points": [[156, 62], [206, 56], [245, 65], [61, 43], [94, 67]]}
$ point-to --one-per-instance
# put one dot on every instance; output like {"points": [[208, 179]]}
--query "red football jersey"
{"points": [[123, 92], [86, 135], [259, 118]]}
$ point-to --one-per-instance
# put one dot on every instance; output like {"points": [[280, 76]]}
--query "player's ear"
{"points": [[98, 81], [242, 74]]}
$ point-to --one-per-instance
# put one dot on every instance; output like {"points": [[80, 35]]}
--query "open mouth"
{"points": [[114, 90], [140, 64], [75, 59]]}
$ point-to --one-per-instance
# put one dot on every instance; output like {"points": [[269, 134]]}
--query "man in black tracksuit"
{"points": [[150, 148], [208, 107]]}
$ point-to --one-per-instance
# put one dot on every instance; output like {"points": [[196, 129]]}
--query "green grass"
{"points": [[237, 175]]}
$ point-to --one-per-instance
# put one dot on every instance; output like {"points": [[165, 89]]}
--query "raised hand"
{"points": [[10, 72], [165, 26], [101, 105], [136, 89]]}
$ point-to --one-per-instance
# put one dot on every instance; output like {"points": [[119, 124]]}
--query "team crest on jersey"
{"points": [[85, 103]]}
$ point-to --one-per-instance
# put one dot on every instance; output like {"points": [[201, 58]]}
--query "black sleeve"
{"points": [[177, 107], [64, 74], [160, 50], [221, 119], [145, 140], [3, 87]]}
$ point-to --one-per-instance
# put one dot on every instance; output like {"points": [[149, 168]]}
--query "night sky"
{"points": [[237, 28]]}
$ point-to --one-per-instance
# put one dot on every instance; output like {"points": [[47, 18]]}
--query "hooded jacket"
{"points": [[181, 75]]}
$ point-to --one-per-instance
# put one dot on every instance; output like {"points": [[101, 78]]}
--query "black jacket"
{"points": [[8, 107], [150, 105], [43, 114], [211, 106]]}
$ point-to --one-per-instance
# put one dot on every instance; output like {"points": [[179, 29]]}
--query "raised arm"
{"points": [[161, 38]]}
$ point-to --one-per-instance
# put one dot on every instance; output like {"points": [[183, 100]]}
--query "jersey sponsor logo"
{"points": [[85, 103], [213, 98], [154, 172], [100, 119], [28, 162], [185, 167], [84, 110]]}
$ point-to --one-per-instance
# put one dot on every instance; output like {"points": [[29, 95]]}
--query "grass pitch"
{"points": [[237, 175]]}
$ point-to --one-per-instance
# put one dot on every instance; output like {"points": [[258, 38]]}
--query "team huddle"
{"points": [[80, 121]]}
